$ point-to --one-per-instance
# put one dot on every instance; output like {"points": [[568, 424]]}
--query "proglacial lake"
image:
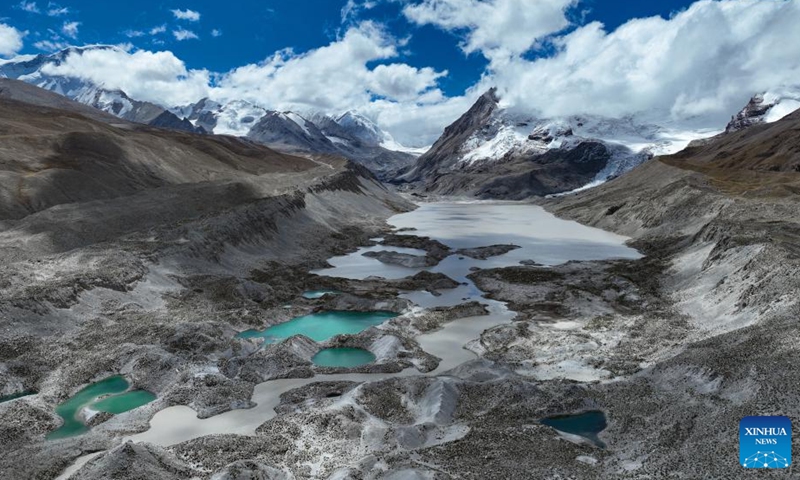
{"points": [[542, 237]]}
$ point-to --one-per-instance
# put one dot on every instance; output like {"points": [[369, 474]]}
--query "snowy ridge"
{"points": [[228, 117], [766, 107], [300, 121], [630, 141]]}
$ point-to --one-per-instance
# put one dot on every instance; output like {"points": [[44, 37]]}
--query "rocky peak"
{"points": [[361, 128], [447, 149], [752, 114]]}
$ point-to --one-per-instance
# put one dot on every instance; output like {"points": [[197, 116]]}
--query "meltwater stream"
{"points": [[542, 238]]}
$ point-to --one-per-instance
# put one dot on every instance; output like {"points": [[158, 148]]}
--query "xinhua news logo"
{"points": [[765, 442]]}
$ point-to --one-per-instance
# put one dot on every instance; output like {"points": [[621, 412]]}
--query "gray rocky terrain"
{"points": [[187, 240], [183, 241]]}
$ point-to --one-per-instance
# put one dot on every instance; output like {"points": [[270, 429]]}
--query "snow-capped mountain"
{"points": [[290, 132], [364, 130], [350, 135], [496, 152], [766, 107], [492, 151], [236, 117], [32, 69]]}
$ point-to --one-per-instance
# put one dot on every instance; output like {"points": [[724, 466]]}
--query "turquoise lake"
{"points": [[343, 357], [119, 401], [587, 425], [14, 396], [321, 326]]}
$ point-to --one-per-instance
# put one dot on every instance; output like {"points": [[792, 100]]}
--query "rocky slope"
{"points": [[138, 250], [56, 157], [675, 348], [34, 70], [721, 219]]}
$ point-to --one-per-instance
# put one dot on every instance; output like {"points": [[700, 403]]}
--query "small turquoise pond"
{"points": [[343, 357], [14, 396], [587, 425], [321, 326], [119, 401], [313, 294]]}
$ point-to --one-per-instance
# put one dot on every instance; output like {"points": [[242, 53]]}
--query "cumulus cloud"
{"points": [[496, 28], [703, 63], [402, 82], [158, 77], [10, 40], [216, 33], [418, 124], [188, 15], [70, 29], [158, 30], [183, 34], [700, 66], [336, 77]]}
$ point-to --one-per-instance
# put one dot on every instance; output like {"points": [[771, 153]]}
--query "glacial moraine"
{"points": [[540, 236]]}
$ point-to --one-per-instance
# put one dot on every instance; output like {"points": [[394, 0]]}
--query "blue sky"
{"points": [[414, 66], [251, 31]]}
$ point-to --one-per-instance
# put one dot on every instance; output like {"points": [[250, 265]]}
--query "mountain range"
{"points": [[349, 134], [497, 152], [492, 151]]}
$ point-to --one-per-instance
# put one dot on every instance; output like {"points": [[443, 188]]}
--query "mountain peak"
{"points": [[491, 95], [765, 107]]}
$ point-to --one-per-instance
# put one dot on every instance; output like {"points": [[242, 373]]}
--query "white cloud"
{"points": [[158, 77], [188, 15], [158, 30], [29, 7], [402, 82], [418, 124], [70, 29], [183, 34], [134, 33], [496, 28], [50, 45], [10, 40], [701, 65], [353, 8], [216, 33], [54, 10], [334, 77]]}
